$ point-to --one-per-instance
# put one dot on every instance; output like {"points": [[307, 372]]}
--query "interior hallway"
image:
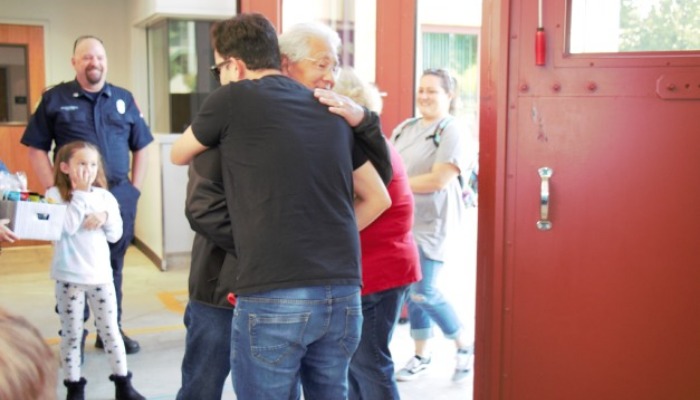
{"points": [[154, 303]]}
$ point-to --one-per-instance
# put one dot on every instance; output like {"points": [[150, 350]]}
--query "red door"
{"points": [[606, 303]]}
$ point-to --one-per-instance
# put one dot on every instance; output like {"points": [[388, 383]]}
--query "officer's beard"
{"points": [[93, 78]]}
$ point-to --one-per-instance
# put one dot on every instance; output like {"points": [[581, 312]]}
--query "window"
{"points": [[605, 26], [14, 87], [448, 37], [180, 55]]}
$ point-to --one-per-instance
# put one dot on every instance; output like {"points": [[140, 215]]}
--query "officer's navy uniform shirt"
{"points": [[108, 119]]}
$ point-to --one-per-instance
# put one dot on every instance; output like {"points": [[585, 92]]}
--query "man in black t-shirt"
{"points": [[297, 188], [205, 363]]}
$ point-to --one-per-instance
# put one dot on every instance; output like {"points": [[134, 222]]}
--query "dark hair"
{"points": [[448, 82], [249, 37], [62, 180], [85, 37]]}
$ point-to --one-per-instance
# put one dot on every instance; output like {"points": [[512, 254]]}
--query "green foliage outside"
{"points": [[670, 25]]}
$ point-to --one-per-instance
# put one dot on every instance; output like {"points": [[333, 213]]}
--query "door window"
{"points": [[180, 55], [14, 87], [611, 26]]}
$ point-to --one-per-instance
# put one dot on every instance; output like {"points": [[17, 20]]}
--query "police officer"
{"points": [[92, 110]]}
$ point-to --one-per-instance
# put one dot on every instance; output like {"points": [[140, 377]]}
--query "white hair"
{"points": [[294, 42]]}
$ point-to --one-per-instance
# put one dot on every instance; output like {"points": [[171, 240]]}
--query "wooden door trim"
{"points": [[491, 312], [272, 9], [396, 60], [12, 152]]}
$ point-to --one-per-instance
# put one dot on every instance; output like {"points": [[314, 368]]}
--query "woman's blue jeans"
{"points": [[427, 305], [287, 337], [372, 368]]}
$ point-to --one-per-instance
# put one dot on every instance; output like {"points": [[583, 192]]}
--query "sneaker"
{"points": [[465, 363], [130, 345], [413, 368]]}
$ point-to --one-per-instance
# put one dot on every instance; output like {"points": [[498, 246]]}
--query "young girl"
{"points": [[81, 265]]}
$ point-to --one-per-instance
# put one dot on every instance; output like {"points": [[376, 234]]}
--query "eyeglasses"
{"points": [[325, 65], [216, 69]]}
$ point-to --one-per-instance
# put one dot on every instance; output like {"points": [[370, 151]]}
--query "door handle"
{"points": [[543, 224]]}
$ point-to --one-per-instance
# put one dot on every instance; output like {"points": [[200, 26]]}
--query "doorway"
{"points": [[578, 307], [12, 152]]}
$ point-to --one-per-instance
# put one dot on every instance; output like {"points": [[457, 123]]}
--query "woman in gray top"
{"points": [[435, 152]]}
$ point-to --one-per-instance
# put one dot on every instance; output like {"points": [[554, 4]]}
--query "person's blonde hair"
{"points": [[28, 369], [361, 92]]}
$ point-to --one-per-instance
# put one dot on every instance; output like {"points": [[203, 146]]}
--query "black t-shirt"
{"points": [[287, 166]]}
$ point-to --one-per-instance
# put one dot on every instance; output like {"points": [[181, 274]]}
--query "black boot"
{"points": [[124, 390], [130, 345], [76, 390]]}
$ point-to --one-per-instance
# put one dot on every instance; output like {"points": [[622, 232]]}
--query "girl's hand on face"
{"points": [[80, 178]]}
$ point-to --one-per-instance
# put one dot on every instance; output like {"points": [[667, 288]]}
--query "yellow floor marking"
{"points": [[171, 302]]}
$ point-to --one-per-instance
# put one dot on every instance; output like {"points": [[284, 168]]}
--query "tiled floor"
{"points": [[154, 303]]}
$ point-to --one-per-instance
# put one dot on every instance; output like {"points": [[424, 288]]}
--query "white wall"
{"points": [[147, 11]]}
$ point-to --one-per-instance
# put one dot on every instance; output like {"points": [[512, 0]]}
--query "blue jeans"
{"points": [[286, 337], [127, 196], [427, 305], [372, 368], [205, 364]]}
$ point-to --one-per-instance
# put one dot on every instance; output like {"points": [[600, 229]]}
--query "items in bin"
{"points": [[14, 195], [16, 181]]}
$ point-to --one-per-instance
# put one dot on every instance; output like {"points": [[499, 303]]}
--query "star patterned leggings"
{"points": [[70, 298]]}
